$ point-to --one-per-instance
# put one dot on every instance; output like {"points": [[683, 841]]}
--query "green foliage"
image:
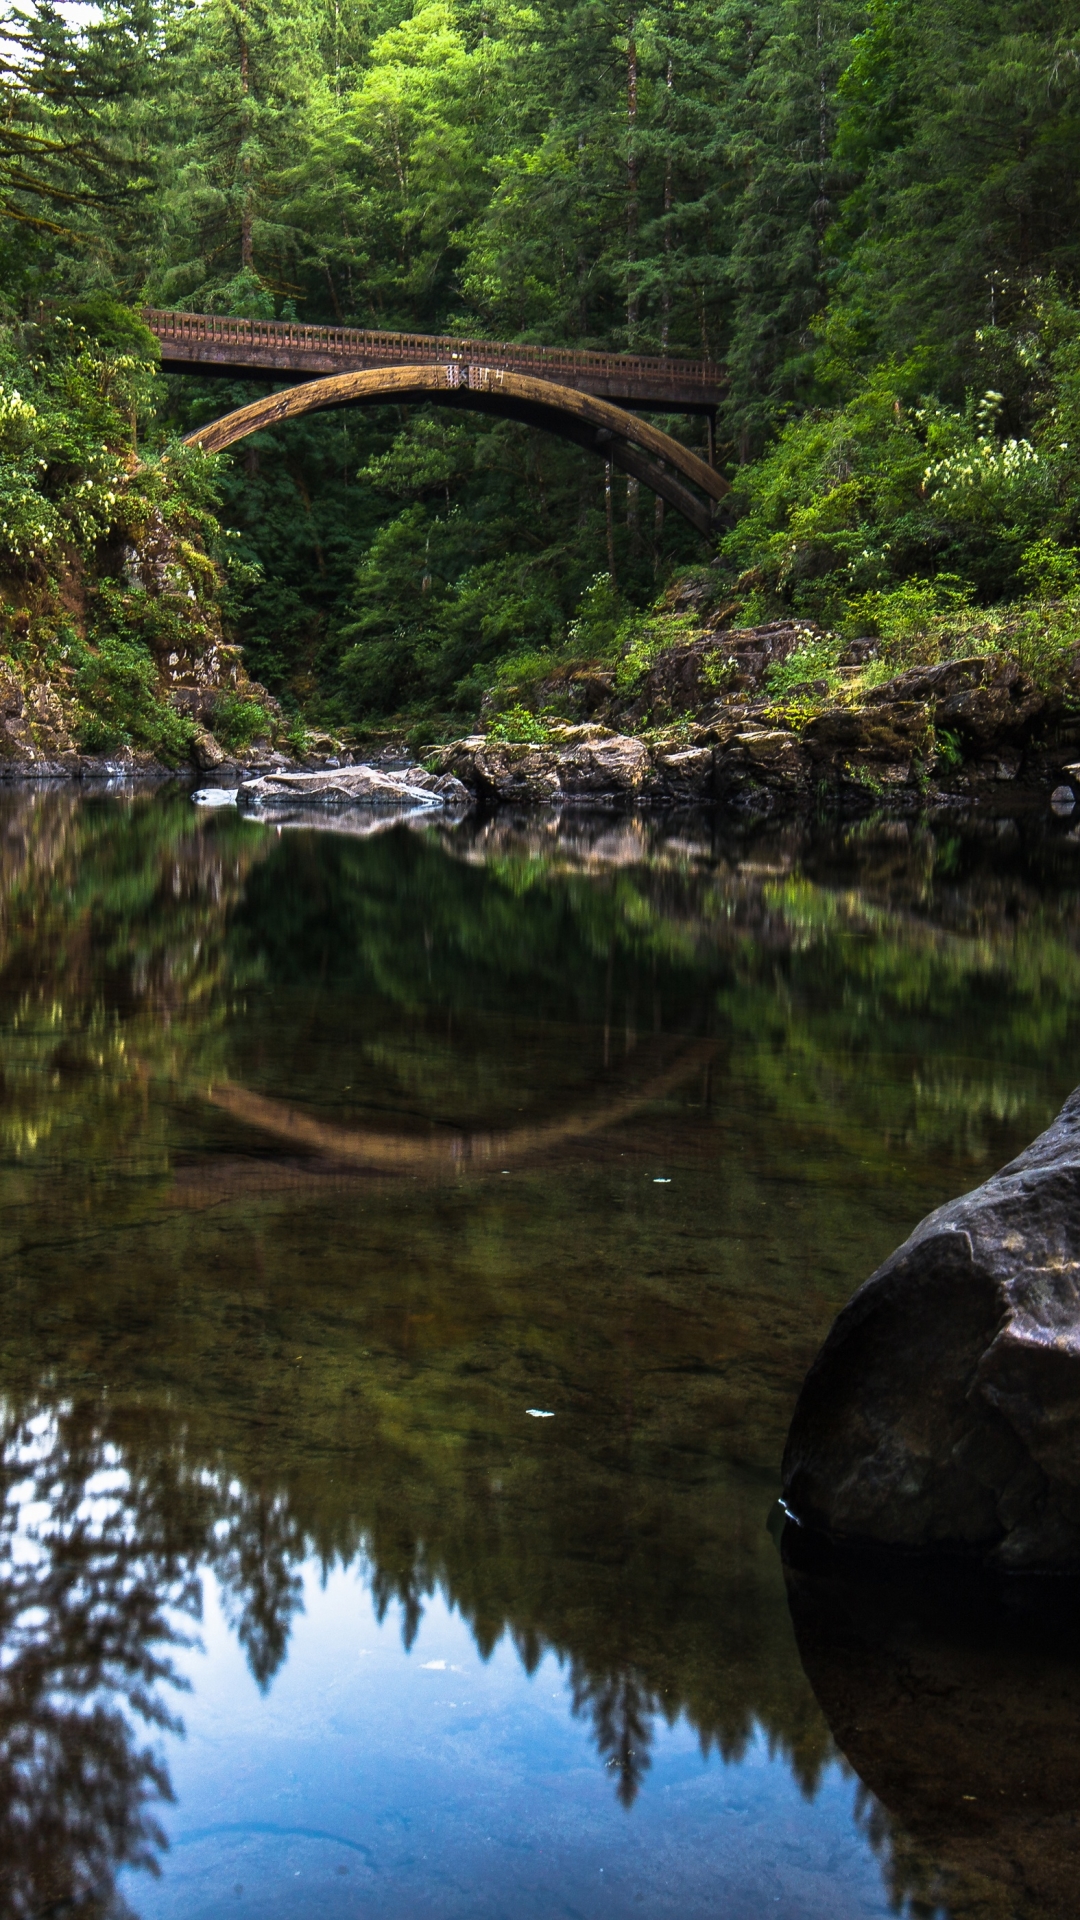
{"points": [[948, 746], [518, 724], [894, 510], [1049, 571], [117, 680], [112, 327], [815, 659], [66, 90], [595, 628], [238, 722]]}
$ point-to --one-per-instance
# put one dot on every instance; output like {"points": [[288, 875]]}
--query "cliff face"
{"points": [[113, 562], [123, 664]]}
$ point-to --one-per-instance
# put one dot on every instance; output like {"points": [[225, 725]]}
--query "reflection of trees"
{"points": [[300, 1386], [91, 1589], [622, 1709], [113, 974], [257, 1546]]}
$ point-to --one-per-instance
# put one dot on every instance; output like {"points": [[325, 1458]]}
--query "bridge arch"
{"points": [[650, 455]]}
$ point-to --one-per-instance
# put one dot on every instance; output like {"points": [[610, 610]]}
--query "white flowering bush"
{"points": [[979, 475], [852, 501], [28, 521]]}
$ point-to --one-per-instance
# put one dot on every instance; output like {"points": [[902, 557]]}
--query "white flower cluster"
{"points": [[14, 407], [987, 462]]}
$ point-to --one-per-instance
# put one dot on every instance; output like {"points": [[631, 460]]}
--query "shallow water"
{"points": [[411, 1248]]}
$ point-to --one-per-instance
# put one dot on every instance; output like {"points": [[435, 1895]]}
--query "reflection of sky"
{"points": [[367, 1780]]}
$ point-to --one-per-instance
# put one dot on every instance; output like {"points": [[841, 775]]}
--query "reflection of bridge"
{"points": [[583, 397]]}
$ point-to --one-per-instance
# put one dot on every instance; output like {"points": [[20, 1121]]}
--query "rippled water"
{"points": [[412, 1246]]}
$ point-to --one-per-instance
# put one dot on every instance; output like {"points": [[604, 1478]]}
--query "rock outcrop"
{"points": [[943, 1411], [704, 725]]}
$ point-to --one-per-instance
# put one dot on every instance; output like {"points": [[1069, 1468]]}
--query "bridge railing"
{"points": [[421, 348]]}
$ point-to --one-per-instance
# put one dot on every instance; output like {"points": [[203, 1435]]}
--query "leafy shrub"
{"points": [[238, 722], [816, 659], [116, 681], [518, 725], [892, 488]]}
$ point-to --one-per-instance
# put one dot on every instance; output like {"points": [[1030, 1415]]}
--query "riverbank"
{"points": [[709, 724], [719, 717]]}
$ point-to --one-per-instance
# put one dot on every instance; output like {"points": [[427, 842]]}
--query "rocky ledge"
{"points": [[951, 734], [943, 1411]]}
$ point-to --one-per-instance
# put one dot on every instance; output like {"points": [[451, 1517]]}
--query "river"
{"points": [[412, 1245]]}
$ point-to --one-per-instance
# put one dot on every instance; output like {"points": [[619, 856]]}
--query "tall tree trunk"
{"points": [[632, 212], [247, 250], [665, 298]]}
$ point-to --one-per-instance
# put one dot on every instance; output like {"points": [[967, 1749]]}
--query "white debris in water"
{"points": [[539, 1413], [661, 1180], [216, 796]]}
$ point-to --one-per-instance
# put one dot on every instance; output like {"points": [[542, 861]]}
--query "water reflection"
{"points": [[90, 1593], [324, 1159], [957, 1702]]}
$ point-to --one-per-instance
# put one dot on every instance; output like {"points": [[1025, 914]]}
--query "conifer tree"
{"points": [[66, 151]]}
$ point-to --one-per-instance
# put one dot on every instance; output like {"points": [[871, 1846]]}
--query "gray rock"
{"points": [[932, 684], [206, 753], [338, 787], [1001, 706], [684, 773], [943, 1410], [884, 741], [616, 766]]}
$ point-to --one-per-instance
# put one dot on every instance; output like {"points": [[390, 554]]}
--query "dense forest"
{"points": [[866, 213]]}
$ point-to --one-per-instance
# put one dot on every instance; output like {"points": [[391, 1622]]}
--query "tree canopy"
{"points": [[809, 191]]}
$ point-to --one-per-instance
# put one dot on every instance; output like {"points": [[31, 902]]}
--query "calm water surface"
{"points": [[411, 1248]]}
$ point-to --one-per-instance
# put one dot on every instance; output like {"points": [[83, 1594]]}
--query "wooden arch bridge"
{"points": [[592, 399]]}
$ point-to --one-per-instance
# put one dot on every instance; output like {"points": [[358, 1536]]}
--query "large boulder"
{"points": [[983, 697], [766, 756], [614, 766], [581, 763], [351, 787], [931, 684], [501, 770], [943, 1411]]}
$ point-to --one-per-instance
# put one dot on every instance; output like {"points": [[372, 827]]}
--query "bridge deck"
{"points": [[276, 348]]}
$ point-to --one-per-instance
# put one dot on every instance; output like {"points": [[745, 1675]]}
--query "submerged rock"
{"points": [[352, 787], [943, 1411]]}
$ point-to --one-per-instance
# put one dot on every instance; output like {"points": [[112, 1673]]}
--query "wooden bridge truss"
{"points": [[567, 393]]}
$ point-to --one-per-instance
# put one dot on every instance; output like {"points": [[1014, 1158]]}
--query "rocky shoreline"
{"points": [[962, 733], [701, 728]]}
